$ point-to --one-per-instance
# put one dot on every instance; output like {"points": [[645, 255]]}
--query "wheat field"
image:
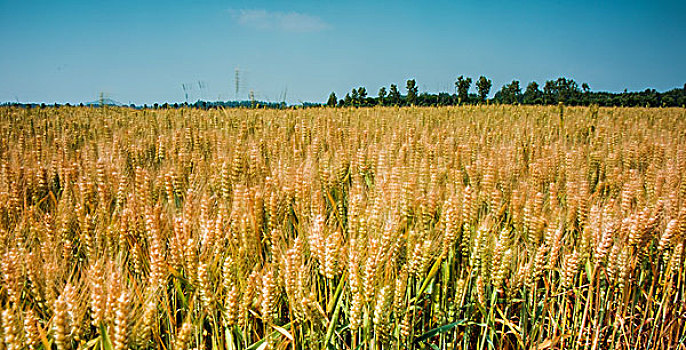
{"points": [[475, 227]]}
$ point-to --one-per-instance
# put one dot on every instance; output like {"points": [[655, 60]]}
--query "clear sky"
{"points": [[143, 51]]}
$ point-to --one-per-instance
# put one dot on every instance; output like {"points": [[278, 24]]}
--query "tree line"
{"points": [[561, 90]]}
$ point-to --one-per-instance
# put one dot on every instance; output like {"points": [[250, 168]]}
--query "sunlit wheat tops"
{"points": [[475, 227]]}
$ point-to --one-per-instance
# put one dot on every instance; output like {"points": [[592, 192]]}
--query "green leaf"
{"points": [[105, 344], [261, 344], [257, 344], [428, 279], [228, 338], [439, 330], [338, 301], [179, 294]]}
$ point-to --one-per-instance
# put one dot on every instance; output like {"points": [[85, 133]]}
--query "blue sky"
{"points": [[143, 51]]}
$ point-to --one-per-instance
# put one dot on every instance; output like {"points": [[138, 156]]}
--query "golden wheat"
{"points": [[380, 228]]}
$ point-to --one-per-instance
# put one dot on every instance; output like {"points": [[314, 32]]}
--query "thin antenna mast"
{"points": [[237, 80]]}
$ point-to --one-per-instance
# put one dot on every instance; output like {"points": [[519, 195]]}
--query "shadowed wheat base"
{"points": [[474, 227]]}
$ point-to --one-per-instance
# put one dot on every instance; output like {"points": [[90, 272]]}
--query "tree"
{"points": [[355, 97], [382, 95], [549, 92], [561, 90], [568, 90], [532, 94], [412, 92], [362, 95], [483, 86], [347, 101], [394, 94], [462, 84], [510, 93], [332, 100]]}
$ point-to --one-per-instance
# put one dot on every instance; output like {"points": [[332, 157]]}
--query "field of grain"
{"points": [[474, 227]]}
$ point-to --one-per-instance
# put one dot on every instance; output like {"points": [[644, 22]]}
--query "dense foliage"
{"points": [[562, 90]]}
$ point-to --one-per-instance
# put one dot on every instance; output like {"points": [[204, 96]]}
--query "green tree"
{"points": [[362, 96], [355, 97], [331, 102], [568, 90], [532, 94], [347, 100], [382, 95], [549, 92], [483, 87], [412, 90], [462, 84], [561, 90], [510, 93], [394, 95]]}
